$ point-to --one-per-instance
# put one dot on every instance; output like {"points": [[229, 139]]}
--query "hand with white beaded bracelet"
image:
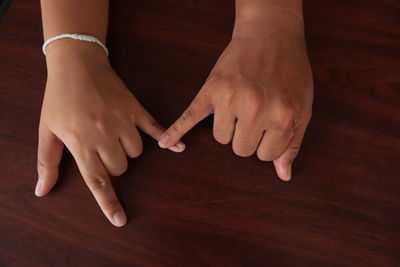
{"points": [[87, 107]]}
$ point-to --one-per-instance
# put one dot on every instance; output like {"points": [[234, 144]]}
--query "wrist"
{"points": [[266, 18], [73, 53]]}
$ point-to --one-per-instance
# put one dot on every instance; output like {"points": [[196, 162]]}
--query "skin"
{"points": [[87, 107], [260, 90]]}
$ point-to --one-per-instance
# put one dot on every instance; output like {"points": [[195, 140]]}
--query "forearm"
{"points": [[75, 16], [269, 16]]}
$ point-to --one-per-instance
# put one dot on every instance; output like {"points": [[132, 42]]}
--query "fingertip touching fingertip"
{"points": [[161, 145], [163, 142], [180, 146], [166, 142], [175, 149]]}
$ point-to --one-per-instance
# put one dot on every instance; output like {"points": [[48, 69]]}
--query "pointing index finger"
{"points": [[200, 108], [151, 127]]}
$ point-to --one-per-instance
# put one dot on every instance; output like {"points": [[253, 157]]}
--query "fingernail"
{"points": [[179, 147], [38, 188], [289, 173], [119, 218], [163, 140]]}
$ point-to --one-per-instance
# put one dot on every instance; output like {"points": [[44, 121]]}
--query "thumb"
{"points": [[49, 156], [200, 108], [283, 164]]}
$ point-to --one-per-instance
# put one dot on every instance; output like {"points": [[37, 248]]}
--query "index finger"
{"points": [[98, 181], [200, 108]]}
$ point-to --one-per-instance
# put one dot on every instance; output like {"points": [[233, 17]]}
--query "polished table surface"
{"points": [[206, 206]]}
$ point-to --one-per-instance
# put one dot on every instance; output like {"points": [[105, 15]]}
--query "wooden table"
{"points": [[206, 206]]}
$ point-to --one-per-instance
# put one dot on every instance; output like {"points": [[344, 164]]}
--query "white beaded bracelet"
{"points": [[75, 36]]}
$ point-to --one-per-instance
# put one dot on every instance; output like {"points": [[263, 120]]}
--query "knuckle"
{"points": [[187, 115], [207, 91], [117, 114], [174, 128], [252, 93], [284, 117], [97, 182], [154, 124], [224, 84], [74, 136], [110, 205], [99, 121], [215, 82], [254, 100], [41, 165], [283, 124], [228, 93], [100, 125], [222, 87]]}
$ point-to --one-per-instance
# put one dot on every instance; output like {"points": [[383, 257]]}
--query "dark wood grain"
{"points": [[207, 206]]}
